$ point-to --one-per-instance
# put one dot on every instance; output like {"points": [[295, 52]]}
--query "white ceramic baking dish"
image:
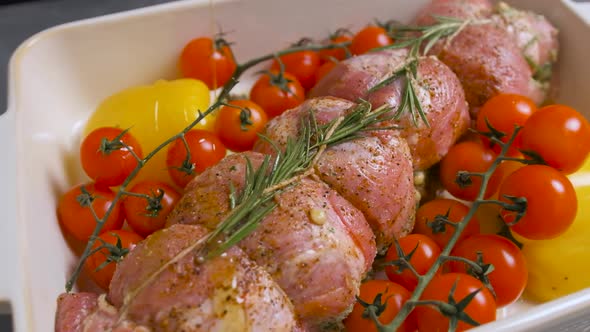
{"points": [[58, 76]]}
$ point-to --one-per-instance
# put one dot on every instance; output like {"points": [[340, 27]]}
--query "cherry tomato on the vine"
{"points": [[302, 65], [551, 202], [369, 38], [482, 307], [210, 61], [101, 265], [205, 150], [393, 295], [335, 53], [425, 252], [560, 135], [147, 215], [277, 93], [427, 223], [504, 112], [107, 156], [73, 210], [238, 128], [510, 273], [471, 157]]}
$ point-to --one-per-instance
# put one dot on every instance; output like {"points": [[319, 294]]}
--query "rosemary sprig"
{"points": [[294, 163], [225, 91], [419, 40]]}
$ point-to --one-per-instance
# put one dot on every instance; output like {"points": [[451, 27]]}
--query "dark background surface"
{"points": [[21, 19]]}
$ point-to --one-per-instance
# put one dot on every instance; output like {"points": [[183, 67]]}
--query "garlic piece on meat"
{"points": [[318, 216]]}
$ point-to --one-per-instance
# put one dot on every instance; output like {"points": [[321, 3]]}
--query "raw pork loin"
{"points": [[373, 171], [314, 244], [438, 89], [227, 293]]}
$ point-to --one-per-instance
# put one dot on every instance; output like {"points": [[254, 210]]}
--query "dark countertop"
{"points": [[21, 19]]}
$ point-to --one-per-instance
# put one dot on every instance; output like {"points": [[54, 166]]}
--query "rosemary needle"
{"points": [[419, 40]]}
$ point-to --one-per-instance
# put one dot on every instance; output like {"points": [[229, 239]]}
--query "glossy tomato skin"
{"points": [[471, 157], [393, 295], [142, 220], [551, 201], [440, 206], [109, 168], [425, 254], [272, 99], [78, 220], [482, 308], [206, 150], [558, 267], [103, 276], [510, 274], [201, 59], [302, 65], [504, 112], [229, 127], [338, 54], [369, 38], [560, 135]]}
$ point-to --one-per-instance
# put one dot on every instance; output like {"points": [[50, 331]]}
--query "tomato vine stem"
{"points": [[460, 226], [238, 72]]}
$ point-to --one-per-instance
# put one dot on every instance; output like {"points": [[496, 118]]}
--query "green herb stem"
{"points": [[427, 277], [240, 69]]}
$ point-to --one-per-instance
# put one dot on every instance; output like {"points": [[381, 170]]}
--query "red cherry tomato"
{"points": [[551, 201], [369, 38], [393, 295], [425, 252], [510, 274], [267, 93], [208, 61], [96, 266], [482, 307], [504, 112], [335, 53], [146, 216], [237, 128], [302, 65], [470, 157], [205, 150], [107, 157], [560, 135], [77, 218], [456, 210]]}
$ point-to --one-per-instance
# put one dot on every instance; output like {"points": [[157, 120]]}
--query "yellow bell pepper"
{"points": [[154, 113], [558, 267]]}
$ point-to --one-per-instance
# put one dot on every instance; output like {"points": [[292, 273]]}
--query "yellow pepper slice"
{"points": [[559, 267], [154, 113]]}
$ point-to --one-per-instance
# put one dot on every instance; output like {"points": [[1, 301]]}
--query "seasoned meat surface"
{"points": [[534, 34], [317, 247], [206, 199], [315, 244], [438, 90], [462, 9], [227, 293], [373, 171], [488, 62], [505, 52]]}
